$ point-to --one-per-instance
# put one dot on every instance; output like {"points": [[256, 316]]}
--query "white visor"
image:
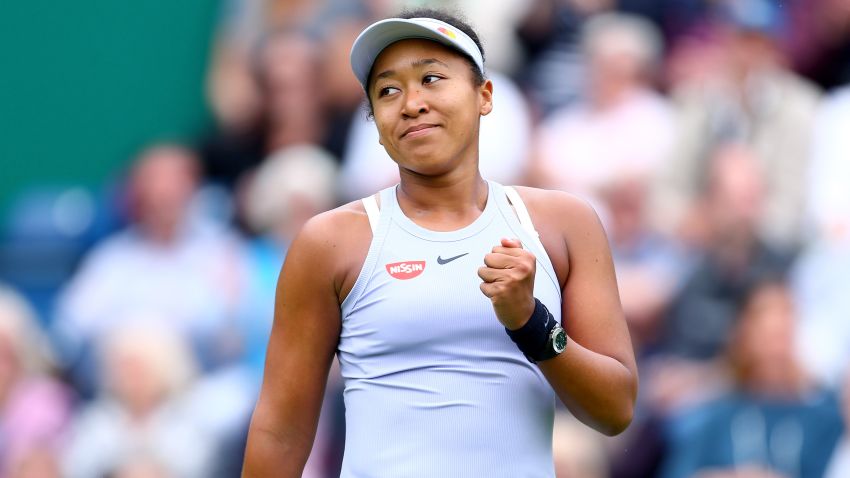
{"points": [[377, 36]]}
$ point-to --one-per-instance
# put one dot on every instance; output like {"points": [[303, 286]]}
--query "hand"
{"points": [[508, 276]]}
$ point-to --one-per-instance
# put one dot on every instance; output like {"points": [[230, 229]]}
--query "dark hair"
{"points": [[454, 19]]}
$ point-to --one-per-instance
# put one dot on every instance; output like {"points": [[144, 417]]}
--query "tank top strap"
{"points": [[515, 212], [379, 221], [521, 213], [372, 212], [521, 210]]}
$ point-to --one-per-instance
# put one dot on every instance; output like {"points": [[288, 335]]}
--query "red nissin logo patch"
{"points": [[406, 270]]}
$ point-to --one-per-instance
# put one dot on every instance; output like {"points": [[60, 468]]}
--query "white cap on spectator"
{"points": [[382, 34]]}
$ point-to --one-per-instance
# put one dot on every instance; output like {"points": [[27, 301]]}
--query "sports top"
{"points": [[434, 387]]}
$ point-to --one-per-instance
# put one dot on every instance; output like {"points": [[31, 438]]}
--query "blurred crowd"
{"points": [[708, 134]]}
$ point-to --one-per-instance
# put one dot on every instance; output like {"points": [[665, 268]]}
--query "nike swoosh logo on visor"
{"points": [[442, 261]]}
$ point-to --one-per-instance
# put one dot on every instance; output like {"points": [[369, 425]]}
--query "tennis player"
{"points": [[459, 309]]}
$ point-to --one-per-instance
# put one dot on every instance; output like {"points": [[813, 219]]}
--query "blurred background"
{"points": [[157, 157]]}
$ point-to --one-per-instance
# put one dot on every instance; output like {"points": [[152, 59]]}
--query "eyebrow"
{"points": [[414, 64]]}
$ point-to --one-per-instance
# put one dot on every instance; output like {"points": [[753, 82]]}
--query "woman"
{"points": [[446, 332]]}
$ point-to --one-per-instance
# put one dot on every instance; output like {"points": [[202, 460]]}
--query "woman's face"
{"points": [[427, 106]]}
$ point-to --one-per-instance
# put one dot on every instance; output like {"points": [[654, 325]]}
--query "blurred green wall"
{"points": [[85, 84]]}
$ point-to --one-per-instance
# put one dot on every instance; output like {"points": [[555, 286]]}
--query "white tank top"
{"points": [[434, 387]]}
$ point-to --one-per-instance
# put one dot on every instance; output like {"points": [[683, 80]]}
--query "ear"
{"points": [[486, 94]]}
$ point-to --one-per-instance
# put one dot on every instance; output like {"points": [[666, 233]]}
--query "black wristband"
{"points": [[532, 337]]}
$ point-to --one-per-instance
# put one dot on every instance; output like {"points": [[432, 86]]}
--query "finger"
{"points": [[490, 275], [512, 243], [509, 251], [500, 261], [488, 289]]}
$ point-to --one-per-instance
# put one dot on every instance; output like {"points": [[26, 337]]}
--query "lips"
{"points": [[415, 130]]}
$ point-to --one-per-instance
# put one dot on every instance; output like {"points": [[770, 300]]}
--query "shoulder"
{"points": [[333, 244], [566, 210], [567, 225], [330, 226], [333, 231]]}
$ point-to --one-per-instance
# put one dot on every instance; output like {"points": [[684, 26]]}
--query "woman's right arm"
{"points": [[303, 340]]}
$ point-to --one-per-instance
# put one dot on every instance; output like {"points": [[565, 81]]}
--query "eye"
{"points": [[387, 90], [431, 79]]}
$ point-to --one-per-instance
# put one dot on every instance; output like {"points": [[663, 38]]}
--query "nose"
{"points": [[414, 103]]}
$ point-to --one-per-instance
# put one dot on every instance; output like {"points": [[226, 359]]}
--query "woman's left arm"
{"points": [[596, 376]]}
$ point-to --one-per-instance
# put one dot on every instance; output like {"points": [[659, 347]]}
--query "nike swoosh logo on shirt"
{"points": [[442, 261]]}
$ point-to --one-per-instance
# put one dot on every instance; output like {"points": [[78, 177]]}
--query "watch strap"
{"points": [[534, 338]]}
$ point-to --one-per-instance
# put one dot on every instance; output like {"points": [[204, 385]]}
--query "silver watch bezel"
{"points": [[554, 344]]}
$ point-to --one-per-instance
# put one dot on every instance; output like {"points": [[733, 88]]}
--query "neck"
{"points": [[444, 203]]}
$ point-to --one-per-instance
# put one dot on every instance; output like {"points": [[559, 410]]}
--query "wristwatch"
{"points": [[556, 344], [542, 337]]}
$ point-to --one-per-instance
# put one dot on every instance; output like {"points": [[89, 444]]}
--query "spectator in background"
{"points": [[232, 91], [289, 63], [141, 417], [685, 368], [288, 89], [286, 66], [775, 423], [34, 408], [748, 95], [342, 93], [289, 188], [734, 256], [497, 24], [170, 264], [649, 267], [554, 69], [622, 130]]}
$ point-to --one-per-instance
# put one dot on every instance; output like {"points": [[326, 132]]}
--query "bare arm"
{"points": [[596, 376], [301, 348]]}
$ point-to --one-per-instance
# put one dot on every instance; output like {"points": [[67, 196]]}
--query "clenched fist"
{"points": [[508, 276]]}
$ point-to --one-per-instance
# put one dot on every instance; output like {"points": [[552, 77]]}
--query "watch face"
{"points": [[559, 340]]}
